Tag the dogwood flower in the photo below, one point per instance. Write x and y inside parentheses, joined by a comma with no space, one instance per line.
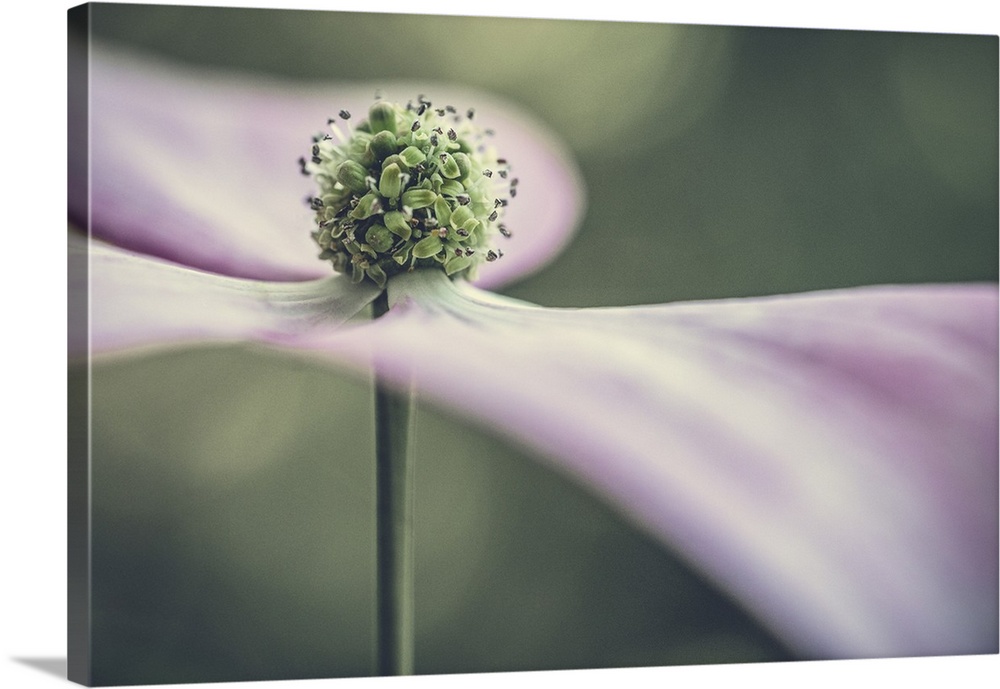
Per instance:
(828,458)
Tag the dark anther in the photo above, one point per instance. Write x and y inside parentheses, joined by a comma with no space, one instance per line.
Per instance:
(470,113)
(493,216)
(434,139)
(439,130)
(469,252)
(513,193)
(513,182)
(416,125)
(344,115)
(503,174)
(450,108)
(462,232)
(315,150)
(504,231)
(491,255)
(421,109)
(330,120)
(443,157)
(316,160)
(487,172)
(316,204)
(458,252)
(439,111)
(501,161)
(302,166)
(499,253)
(452,135)
(497,203)
(463,199)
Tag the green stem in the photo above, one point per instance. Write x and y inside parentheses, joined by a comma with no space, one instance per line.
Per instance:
(394,525)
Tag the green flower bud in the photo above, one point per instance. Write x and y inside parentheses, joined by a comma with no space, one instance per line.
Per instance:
(451,187)
(427,247)
(402,255)
(412,156)
(375,272)
(457,264)
(390,182)
(464,164)
(352,175)
(383,144)
(448,166)
(397,223)
(368,206)
(359,150)
(460,216)
(396,160)
(382,117)
(418,198)
(442,210)
(379,238)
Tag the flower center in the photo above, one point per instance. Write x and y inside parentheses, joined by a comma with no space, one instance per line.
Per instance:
(412,186)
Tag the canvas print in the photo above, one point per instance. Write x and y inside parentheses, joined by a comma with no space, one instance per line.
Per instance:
(412,344)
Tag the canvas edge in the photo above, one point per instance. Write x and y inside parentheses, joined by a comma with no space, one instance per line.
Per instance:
(79,619)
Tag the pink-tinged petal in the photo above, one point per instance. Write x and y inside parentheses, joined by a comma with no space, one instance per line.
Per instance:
(200,168)
(139,302)
(829,458)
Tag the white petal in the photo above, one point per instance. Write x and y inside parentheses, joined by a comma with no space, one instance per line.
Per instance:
(137,301)
(829,458)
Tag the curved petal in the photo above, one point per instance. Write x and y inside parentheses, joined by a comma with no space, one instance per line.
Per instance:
(200,168)
(829,458)
(137,301)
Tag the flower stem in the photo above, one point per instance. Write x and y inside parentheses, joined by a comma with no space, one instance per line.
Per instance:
(394,525)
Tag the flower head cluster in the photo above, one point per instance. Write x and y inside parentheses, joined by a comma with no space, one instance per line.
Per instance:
(412,186)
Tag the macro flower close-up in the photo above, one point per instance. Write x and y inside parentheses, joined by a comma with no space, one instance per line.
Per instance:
(822,460)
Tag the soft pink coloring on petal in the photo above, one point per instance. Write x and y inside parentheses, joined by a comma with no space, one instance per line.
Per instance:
(138,301)
(200,168)
(829,458)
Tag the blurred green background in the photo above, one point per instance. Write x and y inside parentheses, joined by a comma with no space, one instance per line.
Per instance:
(233,487)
